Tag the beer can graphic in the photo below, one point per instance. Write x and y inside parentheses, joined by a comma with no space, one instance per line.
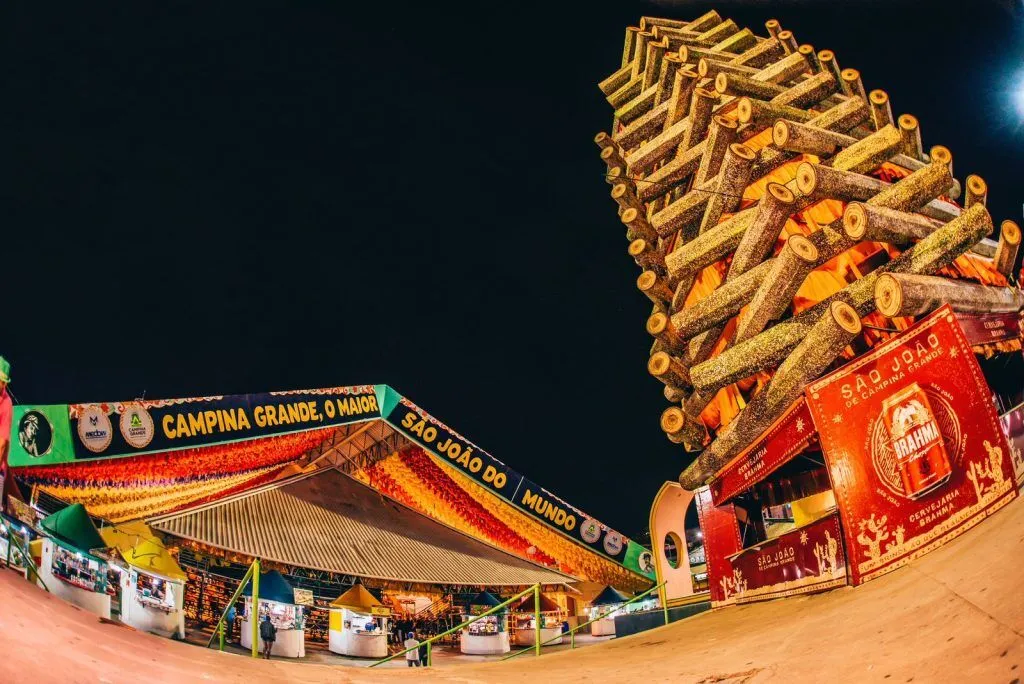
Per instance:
(914,435)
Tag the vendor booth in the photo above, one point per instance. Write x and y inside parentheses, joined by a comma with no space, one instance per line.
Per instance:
(524,622)
(152,586)
(488,635)
(66,565)
(887,458)
(359,624)
(277,599)
(611,601)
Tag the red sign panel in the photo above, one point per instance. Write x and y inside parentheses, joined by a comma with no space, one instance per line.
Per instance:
(805,560)
(989,328)
(913,445)
(721,540)
(1013,427)
(786,438)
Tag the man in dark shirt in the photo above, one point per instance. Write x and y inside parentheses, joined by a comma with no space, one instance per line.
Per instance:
(268,632)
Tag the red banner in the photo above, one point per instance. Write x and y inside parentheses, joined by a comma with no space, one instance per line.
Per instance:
(805,560)
(913,445)
(787,437)
(721,540)
(1013,427)
(989,328)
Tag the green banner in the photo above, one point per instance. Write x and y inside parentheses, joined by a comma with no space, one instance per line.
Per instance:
(40,435)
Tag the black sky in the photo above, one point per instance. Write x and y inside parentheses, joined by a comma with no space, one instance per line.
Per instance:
(223,198)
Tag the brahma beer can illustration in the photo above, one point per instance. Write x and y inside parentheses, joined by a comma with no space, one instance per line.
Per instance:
(917,443)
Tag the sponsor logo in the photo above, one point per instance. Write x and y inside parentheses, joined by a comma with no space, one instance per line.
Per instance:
(613,543)
(35,434)
(646,562)
(94,429)
(590,531)
(137,426)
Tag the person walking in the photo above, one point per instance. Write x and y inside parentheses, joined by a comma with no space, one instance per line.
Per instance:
(423,653)
(412,658)
(268,632)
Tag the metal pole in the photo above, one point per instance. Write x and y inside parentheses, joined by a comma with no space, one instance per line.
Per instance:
(254,621)
(220,633)
(429,653)
(536,615)
(664,606)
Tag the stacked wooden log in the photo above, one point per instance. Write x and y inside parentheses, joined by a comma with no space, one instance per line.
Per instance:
(748,168)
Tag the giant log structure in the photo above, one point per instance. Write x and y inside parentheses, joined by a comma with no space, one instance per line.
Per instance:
(784,220)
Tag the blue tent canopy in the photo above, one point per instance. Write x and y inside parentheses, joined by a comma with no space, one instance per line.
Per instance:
(273,587)
(609,596)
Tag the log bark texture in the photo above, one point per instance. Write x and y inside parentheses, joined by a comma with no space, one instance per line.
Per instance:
(905,294)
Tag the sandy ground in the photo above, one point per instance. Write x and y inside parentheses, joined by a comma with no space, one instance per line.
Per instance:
(956,615)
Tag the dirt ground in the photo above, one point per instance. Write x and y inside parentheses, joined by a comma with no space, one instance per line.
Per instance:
(956,615)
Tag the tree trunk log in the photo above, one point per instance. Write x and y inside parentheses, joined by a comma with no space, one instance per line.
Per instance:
(911,133)
(833,330)
(761,113)
(647,256)
(704,102)
(647,126)
(657,148)
(721,304)
(1009,245)
(667,177)
(626,93)
(681,430)
(715,244)
(667,369)
(866,222)
(868,154)
(788,42)
(638,106)
(851,84)
(637,226)
(822,182)
(761,54)
(616,80)
(720,136)
(737,42)
(771,346)
(977,191)
(789,269)
(739,85)
(807,92)
(732,179)
(881,111)
(904,294)
(842,117)
(775,207)
(807,139)
(625,198)
(813,62)
(783,71)
(683,84)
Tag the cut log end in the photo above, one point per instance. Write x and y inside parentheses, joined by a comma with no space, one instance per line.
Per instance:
(780,134)
(722,82)
(743,152)
(781,193)
(907,122)
(629,215)
(607,153)
(803,248)
(878,97)
(637,247)
(806,179)
(647,280)
(1010,233)
(888,295)
(602,139)
(845,317)
(977,186)
(672,420)
(659,364)
(855,221)
(940,153)
(744,110)
(657,323)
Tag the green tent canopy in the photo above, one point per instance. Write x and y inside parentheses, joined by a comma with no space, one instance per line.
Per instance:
(74,527)
(484,599)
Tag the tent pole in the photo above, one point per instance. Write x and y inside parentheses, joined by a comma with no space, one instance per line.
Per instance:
(255,621)
(536,616)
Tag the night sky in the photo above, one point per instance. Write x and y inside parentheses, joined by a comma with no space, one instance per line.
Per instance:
(207,198)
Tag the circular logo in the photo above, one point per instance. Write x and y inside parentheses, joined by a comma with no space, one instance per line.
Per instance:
(35,434)
(590,531)
(883,457)
(613,543)
(646,562)
(94,429)
(137,426)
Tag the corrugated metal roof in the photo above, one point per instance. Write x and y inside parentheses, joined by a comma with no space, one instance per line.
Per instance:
(328,521)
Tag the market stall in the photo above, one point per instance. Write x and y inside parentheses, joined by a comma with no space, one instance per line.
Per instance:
(277,599)
(524,622)
(359,624)
(611,601)
(66,565)
(152,586)
(488,635)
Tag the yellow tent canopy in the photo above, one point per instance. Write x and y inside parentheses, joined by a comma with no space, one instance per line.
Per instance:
(141,548)
(359,599)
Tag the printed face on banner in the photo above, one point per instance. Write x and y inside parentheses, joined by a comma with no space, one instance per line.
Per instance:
(913,445)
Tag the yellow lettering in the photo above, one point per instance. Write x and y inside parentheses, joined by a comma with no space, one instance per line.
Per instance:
(195,424)
(409,419)
(243,421)
(168,424)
